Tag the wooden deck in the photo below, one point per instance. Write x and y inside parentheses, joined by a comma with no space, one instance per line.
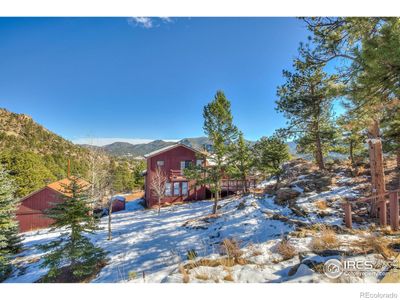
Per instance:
(231,185)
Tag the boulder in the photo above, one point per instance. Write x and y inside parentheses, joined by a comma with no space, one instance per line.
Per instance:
(286,194)
(323,182)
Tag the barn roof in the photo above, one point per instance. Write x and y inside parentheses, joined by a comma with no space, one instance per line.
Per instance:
(60,185)
(167,148)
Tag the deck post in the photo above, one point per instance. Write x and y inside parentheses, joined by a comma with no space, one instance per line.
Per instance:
(228,186)
(394,211)
(382,213)
(347,215)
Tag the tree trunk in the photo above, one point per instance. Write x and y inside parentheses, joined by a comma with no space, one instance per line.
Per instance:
(318,153)
(109,220)
(216,198)
(352,160)
(244,184)
(278,181)
(398,158)
(159,205)
(351,154)
(377,166)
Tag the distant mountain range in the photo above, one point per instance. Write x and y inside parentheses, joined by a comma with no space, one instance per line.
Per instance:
(139,150)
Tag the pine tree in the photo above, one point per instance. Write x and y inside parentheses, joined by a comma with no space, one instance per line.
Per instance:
(138,179)
(9,240)
(241,160)
(306,101)
(391,133)
(270,154)
(123,178)
(27,169)
(352,139)
(73,250)
(218,126)
(196,173)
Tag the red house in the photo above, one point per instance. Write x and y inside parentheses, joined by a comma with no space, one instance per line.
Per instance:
(173,160)
(31,212)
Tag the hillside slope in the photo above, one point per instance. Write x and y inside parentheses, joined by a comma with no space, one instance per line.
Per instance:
(34,155)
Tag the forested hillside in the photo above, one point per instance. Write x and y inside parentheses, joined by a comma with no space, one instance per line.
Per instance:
(34,155)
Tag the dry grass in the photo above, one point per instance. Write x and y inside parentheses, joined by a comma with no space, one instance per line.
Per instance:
(202,276)
(231,248)
(326,239)
(321,204)
(185,274)
(256,253)
(285,249)
(374,244)
(229,277)
(225,262)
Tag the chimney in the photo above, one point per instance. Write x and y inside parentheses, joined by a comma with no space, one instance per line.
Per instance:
(69,169)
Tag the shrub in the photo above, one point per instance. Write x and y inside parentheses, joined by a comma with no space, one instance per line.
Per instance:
(132,275)
(285,249)
(231,248)
(325,240)
(191,254)
(321,204)
(373,243)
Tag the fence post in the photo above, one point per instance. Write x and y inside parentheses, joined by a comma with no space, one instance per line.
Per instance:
(347,215)
(382,213)
(394,211)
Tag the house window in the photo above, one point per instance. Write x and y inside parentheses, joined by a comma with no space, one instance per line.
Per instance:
(176,189)
(185,164)
(199,162)
(160,163)
(168,189)
(184,188)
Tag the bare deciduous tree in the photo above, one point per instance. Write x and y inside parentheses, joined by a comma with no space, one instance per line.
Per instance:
(157,185)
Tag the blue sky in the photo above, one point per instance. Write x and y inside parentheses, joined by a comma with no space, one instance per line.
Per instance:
(121,78)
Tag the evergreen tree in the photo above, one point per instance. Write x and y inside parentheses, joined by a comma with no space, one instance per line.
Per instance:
(138,179)
(9,240)
(73,250)
(270,154)
(369,61)
(352,140)
(241,160)
(123,178)
(306,101)
(28,171)
(196,172)
(218,126)
(391,133)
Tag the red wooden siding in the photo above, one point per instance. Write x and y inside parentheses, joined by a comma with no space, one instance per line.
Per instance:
(31,212)
(172,161)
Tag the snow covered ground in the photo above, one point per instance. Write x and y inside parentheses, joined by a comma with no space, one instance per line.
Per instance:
(147,247)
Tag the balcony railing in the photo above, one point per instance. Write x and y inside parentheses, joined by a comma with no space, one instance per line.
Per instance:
(176,174)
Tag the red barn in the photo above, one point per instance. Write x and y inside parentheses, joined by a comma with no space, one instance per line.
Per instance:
(173,160)
(31,212)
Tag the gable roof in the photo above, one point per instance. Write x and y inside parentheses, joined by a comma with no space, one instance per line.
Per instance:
(167,148)
(59,186)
